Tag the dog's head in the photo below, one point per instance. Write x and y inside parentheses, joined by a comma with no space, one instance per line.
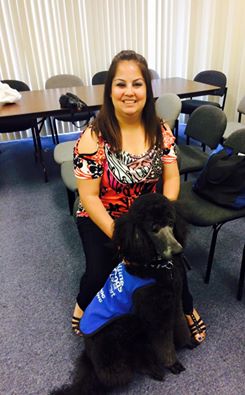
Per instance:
(147,233)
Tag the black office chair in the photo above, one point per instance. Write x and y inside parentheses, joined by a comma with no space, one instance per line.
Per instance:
(212,77)
(66,81)
(99,78)
(206,125)
(201,212)
(21,124)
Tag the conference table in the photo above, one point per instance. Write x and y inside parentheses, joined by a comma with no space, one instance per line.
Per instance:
(45,103)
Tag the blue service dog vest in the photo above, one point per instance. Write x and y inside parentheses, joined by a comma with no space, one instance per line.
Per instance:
(113,300)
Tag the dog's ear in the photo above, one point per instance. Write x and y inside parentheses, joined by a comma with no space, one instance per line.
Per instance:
(130,239)
(180,225)
(123,229)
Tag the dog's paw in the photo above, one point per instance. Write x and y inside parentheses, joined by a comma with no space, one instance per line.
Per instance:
(157,374)
(177,368)
(154,371)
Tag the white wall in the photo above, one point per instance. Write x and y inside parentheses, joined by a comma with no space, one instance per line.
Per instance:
(39,38)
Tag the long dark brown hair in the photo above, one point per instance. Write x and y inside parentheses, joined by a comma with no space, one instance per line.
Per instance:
(106,121)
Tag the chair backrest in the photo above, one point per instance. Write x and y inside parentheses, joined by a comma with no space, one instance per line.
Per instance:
(236,141)
(99,78)
(20,86)
(168,108)
(154,74)
(63,81)
(213,77)
(207,124)
(241,107)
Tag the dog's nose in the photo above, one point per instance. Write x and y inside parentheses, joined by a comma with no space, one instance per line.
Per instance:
(176,248)
(173,246)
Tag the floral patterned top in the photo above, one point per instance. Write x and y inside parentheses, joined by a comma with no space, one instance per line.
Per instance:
(123,176)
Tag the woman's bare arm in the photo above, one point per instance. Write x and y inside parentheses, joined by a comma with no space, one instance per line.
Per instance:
(89,190)
(171,181)
(89,196)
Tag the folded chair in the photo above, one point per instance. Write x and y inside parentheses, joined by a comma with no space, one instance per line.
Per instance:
(201,212)
(206,125)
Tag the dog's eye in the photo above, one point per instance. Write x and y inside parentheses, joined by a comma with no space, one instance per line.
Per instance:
(155,228)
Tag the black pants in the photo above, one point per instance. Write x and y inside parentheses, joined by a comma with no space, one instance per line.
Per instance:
(101,260)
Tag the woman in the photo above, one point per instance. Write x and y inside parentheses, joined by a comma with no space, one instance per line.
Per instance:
(119,157)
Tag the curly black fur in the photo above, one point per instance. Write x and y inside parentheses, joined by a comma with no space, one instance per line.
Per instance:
(144,342)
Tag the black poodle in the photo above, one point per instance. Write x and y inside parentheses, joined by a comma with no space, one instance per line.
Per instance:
(136,322)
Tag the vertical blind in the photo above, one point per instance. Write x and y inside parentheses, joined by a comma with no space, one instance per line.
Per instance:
(40,38)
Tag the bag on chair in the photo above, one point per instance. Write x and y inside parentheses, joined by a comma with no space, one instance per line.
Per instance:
(69,100)
(75,104)
(8,94)
(222,181)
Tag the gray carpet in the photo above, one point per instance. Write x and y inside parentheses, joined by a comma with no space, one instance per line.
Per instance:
(41,263)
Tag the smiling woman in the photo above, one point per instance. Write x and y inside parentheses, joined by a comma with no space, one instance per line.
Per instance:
(128,95)
(128,92)
(119,157)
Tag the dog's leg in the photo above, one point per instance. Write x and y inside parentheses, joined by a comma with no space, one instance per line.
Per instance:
(110,352)
(146,360)
(182,336)
(158,318)
(164,347)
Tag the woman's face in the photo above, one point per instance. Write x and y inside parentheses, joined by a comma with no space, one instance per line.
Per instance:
(128,90)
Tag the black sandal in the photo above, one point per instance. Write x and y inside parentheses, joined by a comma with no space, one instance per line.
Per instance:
(75,325)
(196,328)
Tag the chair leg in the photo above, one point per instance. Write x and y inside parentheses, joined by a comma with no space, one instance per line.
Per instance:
(242,276)
(55,131)
(35,144)
(51,130)
(38,148)
(71,199)
(216,229)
